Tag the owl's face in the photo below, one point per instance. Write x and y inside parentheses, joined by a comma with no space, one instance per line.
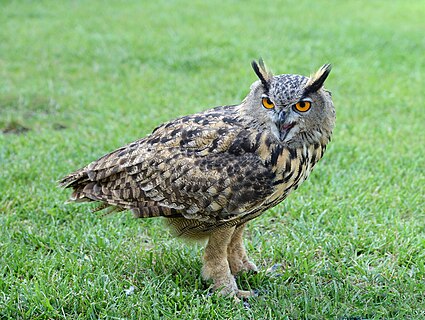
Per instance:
(296,109)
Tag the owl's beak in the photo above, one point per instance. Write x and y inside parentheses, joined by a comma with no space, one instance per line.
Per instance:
(282,116)
(284,126)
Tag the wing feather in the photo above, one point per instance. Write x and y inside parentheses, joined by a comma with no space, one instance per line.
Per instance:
(192,167)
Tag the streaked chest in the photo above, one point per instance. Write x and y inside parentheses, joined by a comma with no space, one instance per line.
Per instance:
(292,167)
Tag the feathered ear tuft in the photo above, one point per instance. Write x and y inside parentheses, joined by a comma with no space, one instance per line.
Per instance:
(316,80)
(262,73)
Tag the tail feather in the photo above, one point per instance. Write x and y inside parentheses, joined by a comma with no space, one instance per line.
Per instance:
(73,179)
(86,190)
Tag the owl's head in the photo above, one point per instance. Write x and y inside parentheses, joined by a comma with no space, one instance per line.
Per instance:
(296,109)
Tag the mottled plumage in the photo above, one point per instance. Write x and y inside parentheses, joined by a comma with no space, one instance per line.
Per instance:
(211,172)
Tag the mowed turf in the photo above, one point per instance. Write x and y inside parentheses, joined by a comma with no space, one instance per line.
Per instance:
(81,78)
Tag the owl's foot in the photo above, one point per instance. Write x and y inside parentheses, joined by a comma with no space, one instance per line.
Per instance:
(244,294)
(226,286)
(238,264)
(235,292)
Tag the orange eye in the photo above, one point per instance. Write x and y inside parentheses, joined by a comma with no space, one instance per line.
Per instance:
(267,103)
(302,106)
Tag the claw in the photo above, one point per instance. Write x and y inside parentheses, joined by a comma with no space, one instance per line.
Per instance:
(244,294)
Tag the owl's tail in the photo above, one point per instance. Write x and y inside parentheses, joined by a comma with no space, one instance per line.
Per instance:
(87,190)
(76,180)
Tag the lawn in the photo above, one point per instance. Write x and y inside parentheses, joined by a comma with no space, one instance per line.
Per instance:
(81,78)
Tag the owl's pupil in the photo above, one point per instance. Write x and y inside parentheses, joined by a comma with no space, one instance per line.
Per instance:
(302,104)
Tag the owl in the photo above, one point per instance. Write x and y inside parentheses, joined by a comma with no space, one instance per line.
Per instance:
(210,173)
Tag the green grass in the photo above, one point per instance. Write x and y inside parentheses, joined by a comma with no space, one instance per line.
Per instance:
(81,78)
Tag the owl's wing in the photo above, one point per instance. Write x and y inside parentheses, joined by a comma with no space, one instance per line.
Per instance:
(186,168)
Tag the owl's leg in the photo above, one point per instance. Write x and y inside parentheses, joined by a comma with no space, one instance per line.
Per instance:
(236,254)
(216,266)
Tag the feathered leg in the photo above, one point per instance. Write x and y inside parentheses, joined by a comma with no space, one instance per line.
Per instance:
(216,266)
(236,254)
(216,261)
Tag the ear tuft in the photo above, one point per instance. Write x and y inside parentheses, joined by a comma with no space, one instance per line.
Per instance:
(262,73)
(317,80)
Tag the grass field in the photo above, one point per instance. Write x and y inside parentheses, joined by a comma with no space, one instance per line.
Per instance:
(81,78)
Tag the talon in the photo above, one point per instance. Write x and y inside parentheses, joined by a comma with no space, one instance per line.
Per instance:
(250,266)
(244,294)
